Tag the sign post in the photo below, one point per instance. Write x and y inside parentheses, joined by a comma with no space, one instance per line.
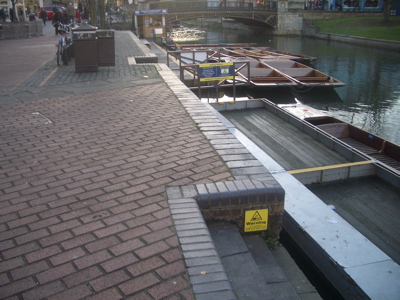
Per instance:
(216,72)
(256,220)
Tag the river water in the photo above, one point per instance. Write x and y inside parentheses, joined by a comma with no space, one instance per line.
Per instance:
(371,97)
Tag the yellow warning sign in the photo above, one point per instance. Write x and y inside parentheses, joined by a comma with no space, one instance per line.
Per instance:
(256,220)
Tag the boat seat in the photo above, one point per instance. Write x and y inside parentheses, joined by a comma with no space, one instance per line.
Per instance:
(272,79)
(278,64)
(298,72)
(312,79)
(338,130)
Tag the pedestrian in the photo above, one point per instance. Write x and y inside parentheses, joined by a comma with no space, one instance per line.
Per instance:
(86,13)
(43,15)
(3,15)
(78,16)
(65,17)
(20,14)
(71,13)
(57,20)
(11,15)
(80,7)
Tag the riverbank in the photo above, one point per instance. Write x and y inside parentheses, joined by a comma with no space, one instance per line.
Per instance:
(354,30)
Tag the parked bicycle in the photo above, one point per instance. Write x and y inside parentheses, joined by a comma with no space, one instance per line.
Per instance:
(64,46)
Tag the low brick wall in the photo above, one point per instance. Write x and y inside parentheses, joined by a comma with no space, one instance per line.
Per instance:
(228,201)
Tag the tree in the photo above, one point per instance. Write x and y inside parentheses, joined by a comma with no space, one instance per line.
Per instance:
(14,12)
(386,10)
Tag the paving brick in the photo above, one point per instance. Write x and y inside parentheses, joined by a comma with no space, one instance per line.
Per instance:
(119,262)
(11,264)
(75,293)
(55,273)
(118,218)
(152,249)
(4,279)
(146,265)
(109,230)
(32,210)
(44,291)
(159,235)
(109,280)
(64,226)
(168,288)
(29,270)
(101,244)
(172,255)
(125,207)
(88,227)
(90,260)
(138,284)
(133,233)
(44,223)
(111,294)
(4,245)
(17,287)
(171,270)
(22,221)
(12,233)
(20,250)
(66,256)
(82,276)
(78,241)
(75,214)
(127,246)
(42,253)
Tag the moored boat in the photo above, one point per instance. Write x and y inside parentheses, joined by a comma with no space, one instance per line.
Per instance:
(284,72)
(370,144)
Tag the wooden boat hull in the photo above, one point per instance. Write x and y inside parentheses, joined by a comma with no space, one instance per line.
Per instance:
(270,73)
(356,138)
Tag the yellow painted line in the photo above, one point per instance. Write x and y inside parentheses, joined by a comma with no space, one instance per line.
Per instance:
(330,167)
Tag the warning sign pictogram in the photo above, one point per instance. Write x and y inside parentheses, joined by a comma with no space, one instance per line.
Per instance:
(256,220)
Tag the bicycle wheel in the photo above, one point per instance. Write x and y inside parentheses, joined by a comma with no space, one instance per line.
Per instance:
(65,55)
(59,53)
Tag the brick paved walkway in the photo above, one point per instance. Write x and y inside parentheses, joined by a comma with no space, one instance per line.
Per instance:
(82,189)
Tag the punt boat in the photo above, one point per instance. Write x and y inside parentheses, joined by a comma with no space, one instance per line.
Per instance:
(284,72)
(374,146)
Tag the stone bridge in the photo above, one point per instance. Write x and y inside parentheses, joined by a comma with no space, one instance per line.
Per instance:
(285,17)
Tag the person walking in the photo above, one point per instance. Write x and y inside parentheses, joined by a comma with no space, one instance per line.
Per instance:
(20,14)
(71,13)
(3,15)
(57,20)
(43,15)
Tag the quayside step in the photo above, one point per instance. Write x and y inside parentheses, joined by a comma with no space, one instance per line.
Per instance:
(255,271)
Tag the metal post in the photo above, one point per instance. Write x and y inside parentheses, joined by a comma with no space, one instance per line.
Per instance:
(198,80)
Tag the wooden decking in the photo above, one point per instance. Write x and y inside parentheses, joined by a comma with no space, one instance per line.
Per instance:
(371,205)
(288,146)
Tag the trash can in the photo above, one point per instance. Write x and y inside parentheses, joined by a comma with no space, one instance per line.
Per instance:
(85,48)
(105,47)
(32,17)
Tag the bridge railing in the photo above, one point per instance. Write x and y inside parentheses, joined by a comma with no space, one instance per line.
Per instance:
(185,6)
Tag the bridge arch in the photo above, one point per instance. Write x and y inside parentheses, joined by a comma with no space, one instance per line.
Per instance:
(184,10)
(269,20)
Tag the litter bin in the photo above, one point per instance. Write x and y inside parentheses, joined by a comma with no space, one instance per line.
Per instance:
(32,17)
(105,47)
(85,48)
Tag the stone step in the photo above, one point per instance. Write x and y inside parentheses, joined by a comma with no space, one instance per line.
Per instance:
(252,268)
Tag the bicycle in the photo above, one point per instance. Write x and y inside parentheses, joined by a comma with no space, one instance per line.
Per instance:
(64,46)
